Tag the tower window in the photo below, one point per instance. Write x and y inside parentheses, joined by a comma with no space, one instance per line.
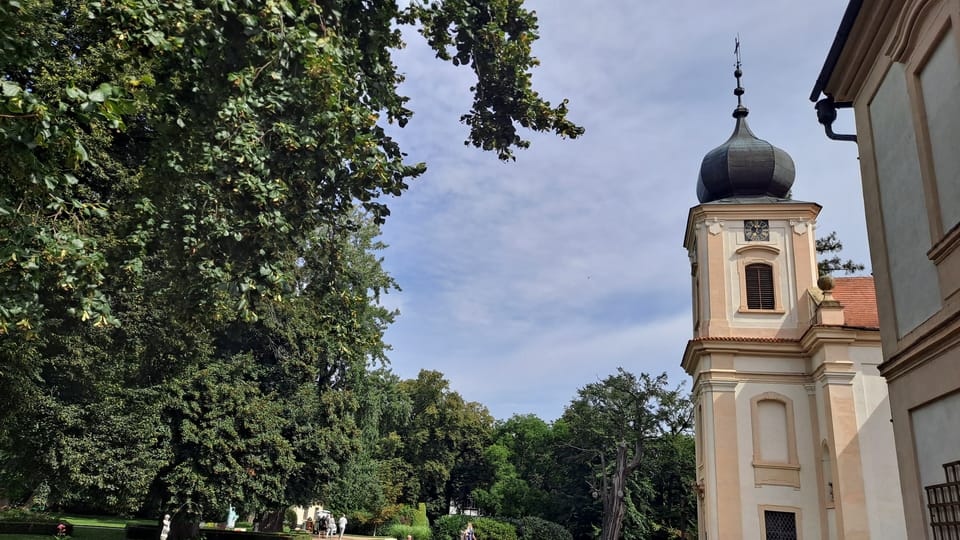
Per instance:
(759,282)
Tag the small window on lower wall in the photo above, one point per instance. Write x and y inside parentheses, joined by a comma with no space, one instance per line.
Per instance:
(779,525)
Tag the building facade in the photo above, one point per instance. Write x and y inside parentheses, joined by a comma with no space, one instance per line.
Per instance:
(792,421)
(897,65)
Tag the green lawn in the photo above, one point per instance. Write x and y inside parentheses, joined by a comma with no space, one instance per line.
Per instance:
(104,521)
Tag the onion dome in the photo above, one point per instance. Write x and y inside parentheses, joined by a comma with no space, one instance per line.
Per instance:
(745,165)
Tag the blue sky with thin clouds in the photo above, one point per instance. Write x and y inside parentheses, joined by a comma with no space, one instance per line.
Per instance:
(524,281)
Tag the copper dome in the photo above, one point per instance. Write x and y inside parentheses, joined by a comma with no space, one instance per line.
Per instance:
(745,166)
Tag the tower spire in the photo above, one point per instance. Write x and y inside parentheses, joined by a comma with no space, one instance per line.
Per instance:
(740,111)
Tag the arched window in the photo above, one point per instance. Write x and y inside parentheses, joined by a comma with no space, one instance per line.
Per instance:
(774,440)
(759,282)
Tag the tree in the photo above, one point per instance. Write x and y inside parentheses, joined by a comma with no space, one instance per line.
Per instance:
(443,442)
(614,425)
(830,246)
(520,461)
(258,414)
(221,134)
(179,182)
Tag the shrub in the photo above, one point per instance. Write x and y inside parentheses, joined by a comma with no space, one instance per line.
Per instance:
(491,529)
(405,515)
(142,532)
(420,518)
(449,527)
(290,518)
(19,514)
(400,532)
(360,522)
(46,528)
(19,521)
(534,528)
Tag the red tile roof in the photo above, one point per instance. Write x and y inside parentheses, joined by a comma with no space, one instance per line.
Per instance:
(859,300)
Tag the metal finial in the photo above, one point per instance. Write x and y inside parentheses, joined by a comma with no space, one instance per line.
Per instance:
(740,111)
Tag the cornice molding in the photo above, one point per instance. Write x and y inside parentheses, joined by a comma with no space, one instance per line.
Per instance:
(908,26)
(863,45)
(943,337)
(828,376)
(717,385)
(787,211)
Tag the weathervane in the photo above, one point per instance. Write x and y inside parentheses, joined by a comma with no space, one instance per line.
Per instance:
(741,111)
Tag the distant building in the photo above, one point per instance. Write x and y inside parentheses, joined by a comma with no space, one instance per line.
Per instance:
(792,422)
(897,64)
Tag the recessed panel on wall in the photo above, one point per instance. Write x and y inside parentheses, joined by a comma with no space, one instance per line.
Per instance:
(940,83)
(913,277)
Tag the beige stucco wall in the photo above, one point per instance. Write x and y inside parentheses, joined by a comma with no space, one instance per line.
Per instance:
(900,67)
(913,277)
(940,90)
(753,496)
(937,438)
(731,378)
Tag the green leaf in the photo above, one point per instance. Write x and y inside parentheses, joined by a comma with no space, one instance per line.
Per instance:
(9,88)
(101,93)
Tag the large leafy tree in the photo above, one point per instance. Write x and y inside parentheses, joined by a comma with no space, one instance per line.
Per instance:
(443,442)
(182,174)
(222,133)
(616,427)
(258,414)
(521,462)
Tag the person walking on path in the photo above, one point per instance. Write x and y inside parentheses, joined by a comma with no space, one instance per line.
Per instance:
(343,525)
(469,534)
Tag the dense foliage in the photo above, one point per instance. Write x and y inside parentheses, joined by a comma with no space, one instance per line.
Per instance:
(190,199)
(191,192)
(621,428)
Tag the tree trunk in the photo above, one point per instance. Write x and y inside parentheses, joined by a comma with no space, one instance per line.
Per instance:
(271,521)
(614,508)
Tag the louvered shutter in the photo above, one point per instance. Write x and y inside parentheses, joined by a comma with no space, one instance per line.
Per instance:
(760,286)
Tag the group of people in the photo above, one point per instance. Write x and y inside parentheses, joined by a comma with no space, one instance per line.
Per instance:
(326,526)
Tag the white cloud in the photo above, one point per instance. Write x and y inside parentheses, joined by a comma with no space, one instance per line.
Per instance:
(523,281)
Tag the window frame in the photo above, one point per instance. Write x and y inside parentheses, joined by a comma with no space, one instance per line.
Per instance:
(759,254)
(764,508)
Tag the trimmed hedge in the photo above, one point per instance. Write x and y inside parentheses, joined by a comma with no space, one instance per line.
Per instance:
(222,534)
(449,527)
(48,528)
(491,529)
(142,532)
(152,532)
(420,518)
(534,528)
(400,532)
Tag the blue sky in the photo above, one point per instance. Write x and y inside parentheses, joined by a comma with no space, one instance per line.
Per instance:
(524,281)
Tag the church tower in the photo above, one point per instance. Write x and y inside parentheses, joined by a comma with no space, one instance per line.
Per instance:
(785,383)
